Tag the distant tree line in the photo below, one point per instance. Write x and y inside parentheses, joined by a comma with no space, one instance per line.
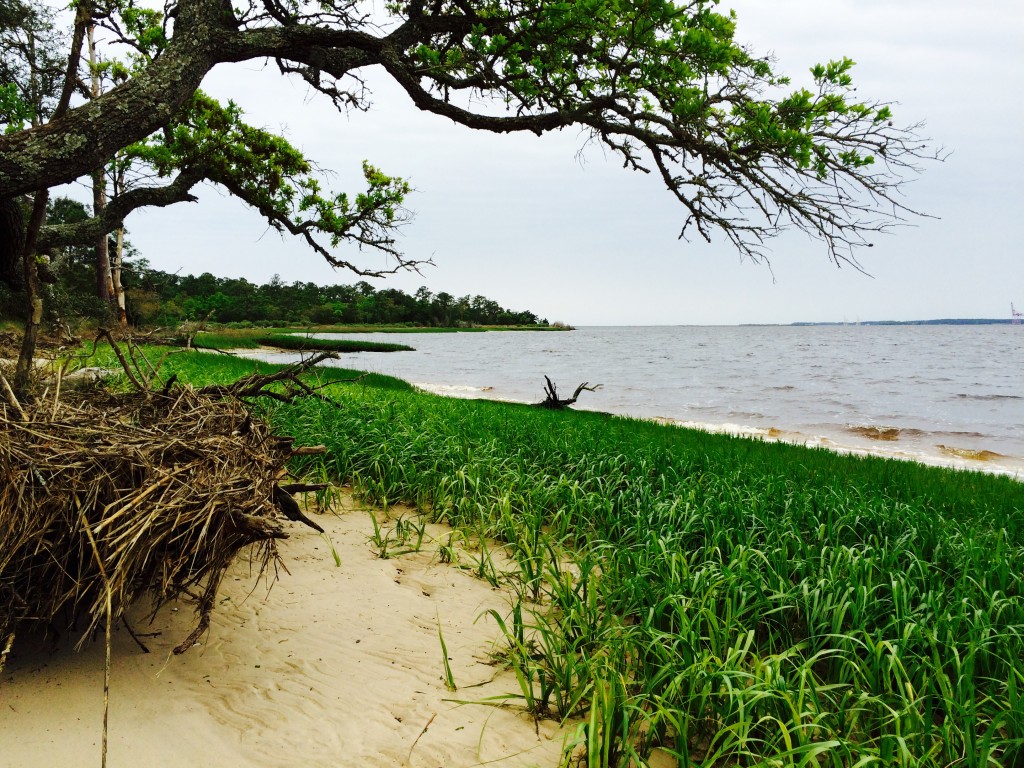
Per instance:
(160,298)
(154,297)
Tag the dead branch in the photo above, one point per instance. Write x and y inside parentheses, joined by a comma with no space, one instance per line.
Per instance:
(551,400)
(11,398)
(104,333)
(259,384)
(309,450)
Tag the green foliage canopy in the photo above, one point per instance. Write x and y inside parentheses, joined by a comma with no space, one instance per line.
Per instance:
(211,141)
(31,64)
(663,84)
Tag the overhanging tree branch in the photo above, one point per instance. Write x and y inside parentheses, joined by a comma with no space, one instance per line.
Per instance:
(64,235)
(664,86)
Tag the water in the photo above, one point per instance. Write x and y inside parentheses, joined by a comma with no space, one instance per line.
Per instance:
(950,395)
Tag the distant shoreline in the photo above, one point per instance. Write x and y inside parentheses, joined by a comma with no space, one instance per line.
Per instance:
(945,321)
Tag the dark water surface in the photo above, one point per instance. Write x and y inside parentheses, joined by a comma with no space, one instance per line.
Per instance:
(943,394)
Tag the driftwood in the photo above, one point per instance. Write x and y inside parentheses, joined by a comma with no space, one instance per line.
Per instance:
(551,400)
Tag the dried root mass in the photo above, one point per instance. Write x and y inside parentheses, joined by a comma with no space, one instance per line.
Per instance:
(145,495)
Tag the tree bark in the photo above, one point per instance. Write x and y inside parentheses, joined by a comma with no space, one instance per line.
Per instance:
(122,314)
(30,275)
(12,241)
(102,246)
(118,207)
(104,287)
(78,141)
(30,267)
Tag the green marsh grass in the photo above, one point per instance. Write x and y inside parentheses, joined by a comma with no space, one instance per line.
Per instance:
(449,678)
(309,343)
(199,367)
(725,601)
(228,339)
(405,536)
(284,338)
(334,552)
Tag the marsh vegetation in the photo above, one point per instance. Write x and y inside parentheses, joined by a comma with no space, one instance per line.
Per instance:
(722,600)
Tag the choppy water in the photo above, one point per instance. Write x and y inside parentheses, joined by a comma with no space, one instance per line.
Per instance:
(942,394)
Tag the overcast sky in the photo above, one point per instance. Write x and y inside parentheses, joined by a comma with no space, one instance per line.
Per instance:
(533,224)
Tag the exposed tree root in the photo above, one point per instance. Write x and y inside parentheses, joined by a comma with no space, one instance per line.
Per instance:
(108,498)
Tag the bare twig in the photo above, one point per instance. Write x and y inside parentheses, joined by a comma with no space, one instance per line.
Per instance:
(109,606)
(417,740)
(8,644)
(104,333)
(12,399)
(56,391)
(309,450)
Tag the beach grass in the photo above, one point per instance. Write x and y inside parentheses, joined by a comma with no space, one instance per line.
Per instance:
(720,600)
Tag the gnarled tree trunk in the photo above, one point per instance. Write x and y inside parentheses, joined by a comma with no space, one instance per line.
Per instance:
(30,276)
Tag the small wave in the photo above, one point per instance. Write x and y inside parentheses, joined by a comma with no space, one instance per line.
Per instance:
(945,455)
(874,432)
(962,434)
(451,389)
(970,453)
(964,396)
(745,415)
(737,430)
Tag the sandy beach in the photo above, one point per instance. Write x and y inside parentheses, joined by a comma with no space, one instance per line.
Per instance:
(333,666)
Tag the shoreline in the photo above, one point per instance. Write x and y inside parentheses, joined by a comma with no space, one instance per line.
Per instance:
(887,392)
(878,442)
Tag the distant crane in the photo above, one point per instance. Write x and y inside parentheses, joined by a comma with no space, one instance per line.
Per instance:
(1015,316)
